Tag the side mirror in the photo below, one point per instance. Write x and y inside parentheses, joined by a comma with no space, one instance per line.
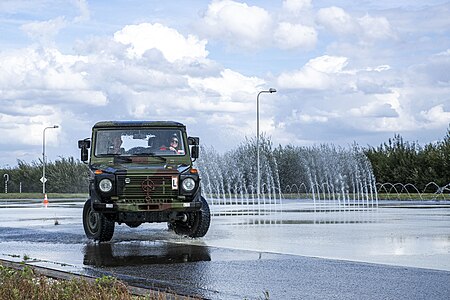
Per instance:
(193,140)
(84,145)
(194,143)
(194,151)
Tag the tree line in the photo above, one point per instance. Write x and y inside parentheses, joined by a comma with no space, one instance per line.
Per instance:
(395,161)
(65,175)
(400,161)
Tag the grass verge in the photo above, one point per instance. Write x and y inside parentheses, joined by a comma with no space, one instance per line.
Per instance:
(413,196)
(26,283)
(382,196)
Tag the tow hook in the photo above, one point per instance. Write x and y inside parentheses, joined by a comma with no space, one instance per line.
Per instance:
(183,218)
(178,217)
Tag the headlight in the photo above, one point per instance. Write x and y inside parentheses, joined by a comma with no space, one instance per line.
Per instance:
(188,184)
(105,185)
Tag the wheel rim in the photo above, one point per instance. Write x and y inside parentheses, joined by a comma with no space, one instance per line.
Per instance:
(93,221)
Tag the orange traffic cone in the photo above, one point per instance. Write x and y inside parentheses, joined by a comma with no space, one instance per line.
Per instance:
(45,200)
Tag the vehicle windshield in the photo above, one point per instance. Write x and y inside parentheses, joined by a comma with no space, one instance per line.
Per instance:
(139,142)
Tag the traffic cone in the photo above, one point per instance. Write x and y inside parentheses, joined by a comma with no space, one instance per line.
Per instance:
(45,200)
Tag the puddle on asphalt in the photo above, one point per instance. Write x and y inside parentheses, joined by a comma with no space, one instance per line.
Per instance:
(129,254)
(298,222)
(297,217)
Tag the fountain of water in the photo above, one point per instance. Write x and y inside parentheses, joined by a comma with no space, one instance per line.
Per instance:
(230,179)
(398,191)
(328,178)
(336,178)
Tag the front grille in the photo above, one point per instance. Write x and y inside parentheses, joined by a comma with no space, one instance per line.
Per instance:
(146,189)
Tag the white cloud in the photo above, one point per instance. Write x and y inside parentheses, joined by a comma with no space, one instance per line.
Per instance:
(57,96)
(337,20)
(306,78)
(445,53)
(316,74)
(380,68)
(435,71)
(375,28)
(44,31)
(367,29)
(45,75)
(371,85)
(149,87)
(308,118)
(27,129)
(296,6)
(328,64)
(228,85)
(35,86)
(170,42)
(237,23)
(436,117)
(289,36)
(85,14)
(375,110)
(360,80)
(251,27)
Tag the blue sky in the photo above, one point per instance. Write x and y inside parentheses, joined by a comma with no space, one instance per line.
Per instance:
(344,73)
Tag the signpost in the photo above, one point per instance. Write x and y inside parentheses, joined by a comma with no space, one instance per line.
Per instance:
(6,177)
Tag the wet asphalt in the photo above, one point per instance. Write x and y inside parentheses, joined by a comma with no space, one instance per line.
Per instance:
(389,253)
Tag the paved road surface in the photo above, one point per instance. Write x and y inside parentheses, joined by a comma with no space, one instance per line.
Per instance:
(387,254)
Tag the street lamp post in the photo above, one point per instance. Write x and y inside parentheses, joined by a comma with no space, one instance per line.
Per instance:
(258,176)
(43,179)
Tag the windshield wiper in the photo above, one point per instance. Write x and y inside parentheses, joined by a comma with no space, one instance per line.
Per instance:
(151,154)
(119,157)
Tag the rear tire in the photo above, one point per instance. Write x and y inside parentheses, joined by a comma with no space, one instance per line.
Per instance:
(96,226)
(197,223)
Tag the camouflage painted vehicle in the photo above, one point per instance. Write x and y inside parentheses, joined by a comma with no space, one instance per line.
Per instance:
(141,171)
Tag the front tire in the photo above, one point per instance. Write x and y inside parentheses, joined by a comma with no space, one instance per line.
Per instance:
(197,223)
(96,226)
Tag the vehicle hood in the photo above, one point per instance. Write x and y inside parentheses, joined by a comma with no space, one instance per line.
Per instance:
(122,169)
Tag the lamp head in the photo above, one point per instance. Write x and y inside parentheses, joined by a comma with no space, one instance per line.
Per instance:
(272,90)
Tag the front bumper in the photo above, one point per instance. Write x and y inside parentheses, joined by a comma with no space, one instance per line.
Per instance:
(146,207)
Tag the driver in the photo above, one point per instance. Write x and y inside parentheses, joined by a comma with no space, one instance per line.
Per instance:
(174,145)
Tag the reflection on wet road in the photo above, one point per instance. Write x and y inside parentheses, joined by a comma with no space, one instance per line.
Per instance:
(132,254)
(291,254)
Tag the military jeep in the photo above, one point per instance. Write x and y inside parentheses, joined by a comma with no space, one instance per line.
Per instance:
(141,171)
